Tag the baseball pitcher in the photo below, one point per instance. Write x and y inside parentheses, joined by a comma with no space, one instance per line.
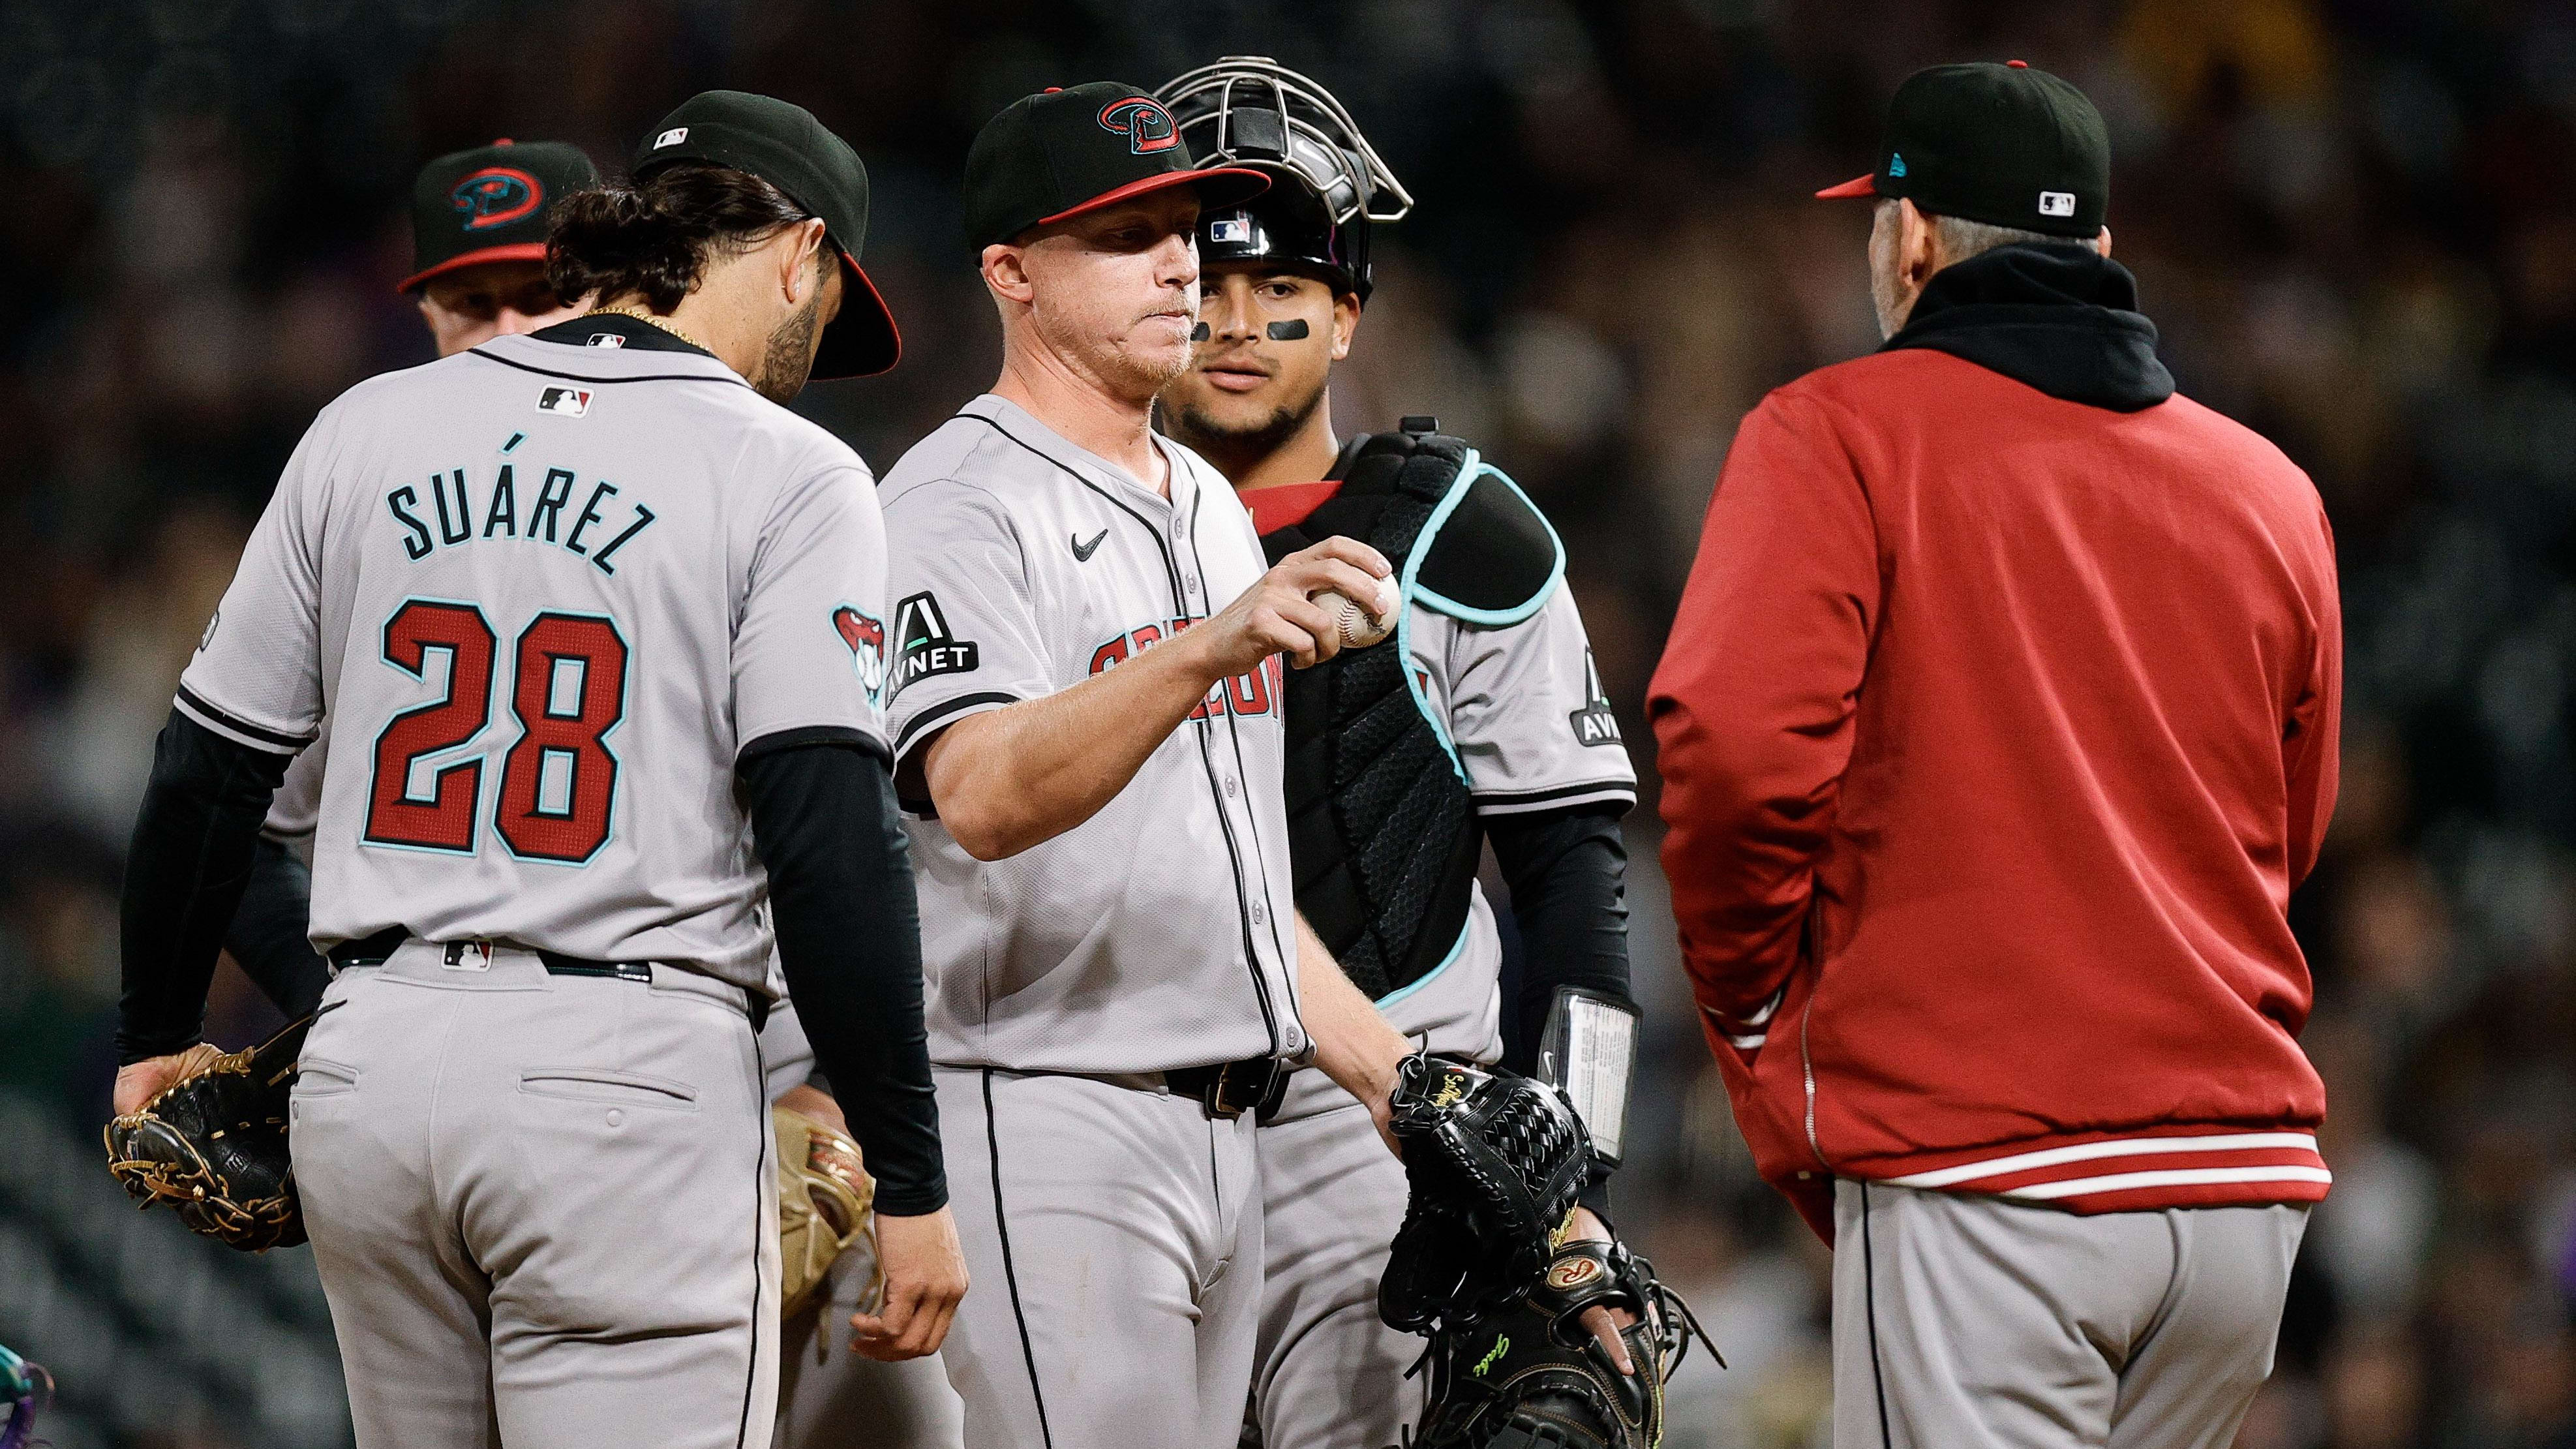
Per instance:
(1088,661)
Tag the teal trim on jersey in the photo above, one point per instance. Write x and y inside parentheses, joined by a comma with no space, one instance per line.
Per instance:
(1427,977)
(1491,618)
(1410,589)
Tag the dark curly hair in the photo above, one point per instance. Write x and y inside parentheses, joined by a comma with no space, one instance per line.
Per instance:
(653,238)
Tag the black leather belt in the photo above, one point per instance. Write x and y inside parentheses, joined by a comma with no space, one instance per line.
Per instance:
(1230,1089)
(375,950)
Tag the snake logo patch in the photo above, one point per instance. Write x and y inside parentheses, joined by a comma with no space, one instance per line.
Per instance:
(866,636)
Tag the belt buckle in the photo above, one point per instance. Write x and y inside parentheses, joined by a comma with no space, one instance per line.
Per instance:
(1241,1087)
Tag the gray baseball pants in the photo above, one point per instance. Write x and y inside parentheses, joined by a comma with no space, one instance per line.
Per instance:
(1329,1372)
(1113,1235)
(1965,1322)
(542,1206)
(829,1397)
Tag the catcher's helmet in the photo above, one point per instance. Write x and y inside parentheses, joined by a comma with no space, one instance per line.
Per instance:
(1327,182)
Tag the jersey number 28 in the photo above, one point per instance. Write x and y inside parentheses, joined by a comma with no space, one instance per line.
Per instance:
(558,780)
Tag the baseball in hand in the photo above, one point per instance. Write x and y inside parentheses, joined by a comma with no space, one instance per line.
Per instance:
(1362,624)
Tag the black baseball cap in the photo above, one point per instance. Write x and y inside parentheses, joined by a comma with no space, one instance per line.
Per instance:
(490,204)
(2002,144)
(1072,149)
(785,146)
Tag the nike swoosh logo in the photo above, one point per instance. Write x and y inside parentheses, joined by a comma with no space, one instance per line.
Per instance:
(1082,552)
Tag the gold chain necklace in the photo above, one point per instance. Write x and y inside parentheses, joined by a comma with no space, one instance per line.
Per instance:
(640,315)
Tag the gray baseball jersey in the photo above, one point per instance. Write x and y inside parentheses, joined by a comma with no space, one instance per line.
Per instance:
(541,595)
(1158,933)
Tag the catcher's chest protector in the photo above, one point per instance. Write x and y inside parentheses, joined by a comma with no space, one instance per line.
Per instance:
(1382,828)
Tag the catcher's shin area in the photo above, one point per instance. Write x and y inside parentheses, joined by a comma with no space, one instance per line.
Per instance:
(213,1144)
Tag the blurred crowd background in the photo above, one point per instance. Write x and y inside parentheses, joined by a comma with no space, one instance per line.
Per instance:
(2353,220)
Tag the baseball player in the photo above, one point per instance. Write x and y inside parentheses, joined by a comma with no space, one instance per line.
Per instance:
(1998,724)
(478,225)
(1499,734)
(476,260)
(1085,709)
(595,614)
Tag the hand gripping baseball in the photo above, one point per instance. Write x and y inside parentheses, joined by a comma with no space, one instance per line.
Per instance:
(1277,615)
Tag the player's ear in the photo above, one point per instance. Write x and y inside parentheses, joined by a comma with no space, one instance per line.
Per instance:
(799,274)
(1346,322)
(1006,272)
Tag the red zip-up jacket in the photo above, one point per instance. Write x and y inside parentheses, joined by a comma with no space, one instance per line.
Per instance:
(1996,729)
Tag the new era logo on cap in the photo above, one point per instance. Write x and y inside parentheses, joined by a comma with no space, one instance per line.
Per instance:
(671,137)
(2057,203)
(572,402)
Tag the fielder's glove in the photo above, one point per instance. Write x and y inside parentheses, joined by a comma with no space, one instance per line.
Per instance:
(824,1197)
(1532,1376)
(212,1144)
(1494,1160)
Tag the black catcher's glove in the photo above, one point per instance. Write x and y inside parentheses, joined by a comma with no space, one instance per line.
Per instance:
(1494,1160)
(1532,1376)
(213,1145)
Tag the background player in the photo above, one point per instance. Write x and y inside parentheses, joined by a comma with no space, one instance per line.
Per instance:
(479,272)
(523,937)
(1506,732)
(1090,737)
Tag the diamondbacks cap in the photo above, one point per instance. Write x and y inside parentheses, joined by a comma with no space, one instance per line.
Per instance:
(785,146)
(1065,151)
(490,204)
(2002,144)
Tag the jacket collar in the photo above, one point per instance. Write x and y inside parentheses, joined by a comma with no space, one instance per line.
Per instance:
(2061,319)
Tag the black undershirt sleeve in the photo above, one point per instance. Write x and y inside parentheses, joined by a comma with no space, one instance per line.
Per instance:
(1568,873)
(849,941)
(268,939)
(185,872)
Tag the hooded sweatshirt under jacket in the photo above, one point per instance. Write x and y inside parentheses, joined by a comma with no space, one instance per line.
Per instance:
(1997,726)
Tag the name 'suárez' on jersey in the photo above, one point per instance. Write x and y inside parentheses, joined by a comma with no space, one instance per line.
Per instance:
(519,500)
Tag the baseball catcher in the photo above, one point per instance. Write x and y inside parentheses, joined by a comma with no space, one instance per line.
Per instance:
(1519,1312)
(212,1144)
(1480,721)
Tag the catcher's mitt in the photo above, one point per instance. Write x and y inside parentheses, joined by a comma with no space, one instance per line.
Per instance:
(213,1144)
(1532,1376)
(824,1193)
(1494,1160)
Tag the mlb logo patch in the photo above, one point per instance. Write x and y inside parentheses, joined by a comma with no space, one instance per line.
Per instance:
(571,402)
(605,339)
(1233,229)
(671,137)
(2057,203)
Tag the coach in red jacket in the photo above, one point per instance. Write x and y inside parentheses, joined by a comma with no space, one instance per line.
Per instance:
(1998,724)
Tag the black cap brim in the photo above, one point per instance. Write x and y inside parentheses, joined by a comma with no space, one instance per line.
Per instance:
(1218,187)
(862,341)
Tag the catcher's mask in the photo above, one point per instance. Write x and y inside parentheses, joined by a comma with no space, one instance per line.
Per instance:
(1327,183)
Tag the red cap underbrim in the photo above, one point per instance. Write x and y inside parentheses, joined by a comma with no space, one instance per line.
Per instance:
(1857,186)
(863,340)
(514,252)
(1235,184)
